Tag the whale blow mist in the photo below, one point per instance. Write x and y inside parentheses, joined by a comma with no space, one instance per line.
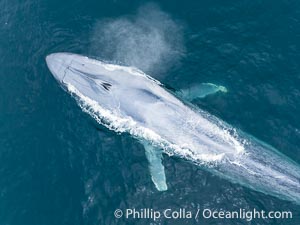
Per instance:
(149,40)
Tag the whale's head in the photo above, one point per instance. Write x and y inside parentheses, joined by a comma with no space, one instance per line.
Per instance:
(110,85)
(81,72)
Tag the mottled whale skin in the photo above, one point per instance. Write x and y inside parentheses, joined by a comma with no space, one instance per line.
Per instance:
(124,99)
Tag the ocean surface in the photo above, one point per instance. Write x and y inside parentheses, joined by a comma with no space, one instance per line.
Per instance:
(59,167)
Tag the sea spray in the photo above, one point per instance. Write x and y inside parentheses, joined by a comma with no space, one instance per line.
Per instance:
(150,40)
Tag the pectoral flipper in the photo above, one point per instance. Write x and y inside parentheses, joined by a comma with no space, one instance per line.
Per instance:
(157,170)
(200,91)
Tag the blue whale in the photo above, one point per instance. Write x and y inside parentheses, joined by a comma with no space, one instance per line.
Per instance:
(124,99)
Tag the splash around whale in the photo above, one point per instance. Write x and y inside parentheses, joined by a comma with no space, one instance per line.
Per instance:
(124,99)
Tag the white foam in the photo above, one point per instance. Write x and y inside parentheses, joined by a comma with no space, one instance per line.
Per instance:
(119,124)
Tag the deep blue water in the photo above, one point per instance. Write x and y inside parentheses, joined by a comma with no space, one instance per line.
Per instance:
(58,166)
